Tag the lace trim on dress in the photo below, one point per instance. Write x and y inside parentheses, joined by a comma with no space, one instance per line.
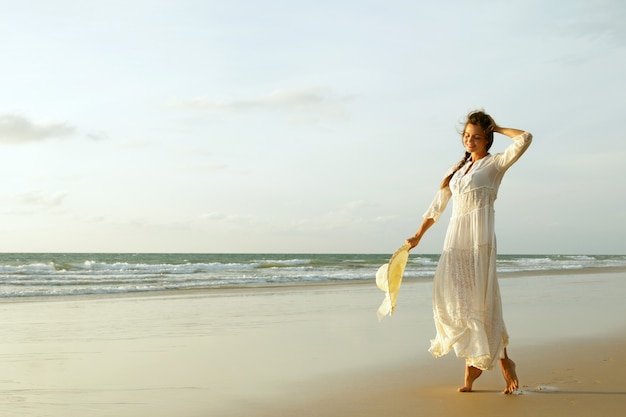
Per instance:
(473,200)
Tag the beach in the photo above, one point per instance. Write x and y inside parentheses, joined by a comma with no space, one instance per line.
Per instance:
(313,350)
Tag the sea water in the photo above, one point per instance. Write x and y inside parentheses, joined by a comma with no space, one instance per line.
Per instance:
(62,274)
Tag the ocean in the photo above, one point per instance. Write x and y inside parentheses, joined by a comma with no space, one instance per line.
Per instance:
(66,274)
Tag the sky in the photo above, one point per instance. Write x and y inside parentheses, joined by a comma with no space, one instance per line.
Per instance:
(298,126)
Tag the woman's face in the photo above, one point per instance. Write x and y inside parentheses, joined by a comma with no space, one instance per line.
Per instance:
(475,140)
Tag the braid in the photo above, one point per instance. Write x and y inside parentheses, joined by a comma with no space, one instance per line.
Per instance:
(446,180)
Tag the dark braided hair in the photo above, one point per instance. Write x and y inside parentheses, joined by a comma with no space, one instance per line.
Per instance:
(486,122)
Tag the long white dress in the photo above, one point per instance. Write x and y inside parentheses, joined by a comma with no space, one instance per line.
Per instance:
(466,298)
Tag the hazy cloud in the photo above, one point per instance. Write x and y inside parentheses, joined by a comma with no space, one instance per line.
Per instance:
(236,219)
(96,135)
(36,198)
(33,203)
(306,100)
(19,129)
(596,19)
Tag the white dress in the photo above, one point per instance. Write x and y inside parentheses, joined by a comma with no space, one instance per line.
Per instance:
(466,298)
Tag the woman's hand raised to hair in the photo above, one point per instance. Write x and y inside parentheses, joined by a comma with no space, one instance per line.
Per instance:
(507,131)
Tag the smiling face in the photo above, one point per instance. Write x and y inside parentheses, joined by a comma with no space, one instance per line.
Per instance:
(475,140)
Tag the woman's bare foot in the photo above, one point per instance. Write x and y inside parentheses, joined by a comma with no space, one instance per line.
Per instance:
(508,371)
(471,373)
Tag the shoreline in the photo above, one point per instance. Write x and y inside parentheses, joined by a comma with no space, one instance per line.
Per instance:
(291,286)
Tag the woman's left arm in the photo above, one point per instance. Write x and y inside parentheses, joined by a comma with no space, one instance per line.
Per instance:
(521,142)
(507,131)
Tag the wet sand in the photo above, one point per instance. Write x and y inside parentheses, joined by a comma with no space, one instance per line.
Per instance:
(309,351)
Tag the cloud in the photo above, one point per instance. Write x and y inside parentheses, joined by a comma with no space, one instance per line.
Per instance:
(598,19)
(96,136)
(234,219)
(315,101)
(212,216)
(19,129)
(35,198)
(34,202)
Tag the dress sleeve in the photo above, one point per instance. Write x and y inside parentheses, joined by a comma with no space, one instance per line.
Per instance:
(507,158)
(438,206)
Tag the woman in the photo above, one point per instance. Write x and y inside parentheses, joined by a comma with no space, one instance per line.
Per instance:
(466,297)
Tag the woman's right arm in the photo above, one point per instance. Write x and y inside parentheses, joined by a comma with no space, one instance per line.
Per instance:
(433,213)
(415,239)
